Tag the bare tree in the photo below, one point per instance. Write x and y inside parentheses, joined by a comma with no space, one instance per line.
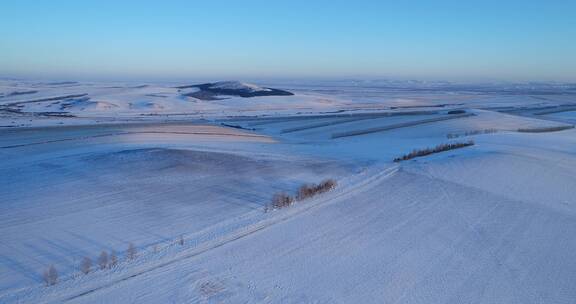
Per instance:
(113,260)
(50,276)
(86,265)
(281,200)
(131,252)
(103,260)
(303,192)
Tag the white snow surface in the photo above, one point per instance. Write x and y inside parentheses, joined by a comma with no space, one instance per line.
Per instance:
(237,85)
(491,223)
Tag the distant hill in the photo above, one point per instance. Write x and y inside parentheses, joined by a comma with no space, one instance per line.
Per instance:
(210,91)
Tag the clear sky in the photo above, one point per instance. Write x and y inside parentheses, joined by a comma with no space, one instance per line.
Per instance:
(442,39)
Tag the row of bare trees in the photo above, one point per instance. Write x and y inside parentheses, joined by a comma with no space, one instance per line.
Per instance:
(470,133)
(104,261)
(282,200)
(436,149)
(545,129)
(311,190)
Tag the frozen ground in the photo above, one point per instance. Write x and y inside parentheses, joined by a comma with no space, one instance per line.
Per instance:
(151,183)
(491,223)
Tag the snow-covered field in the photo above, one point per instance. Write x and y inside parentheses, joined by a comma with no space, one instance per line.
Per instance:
(92,167)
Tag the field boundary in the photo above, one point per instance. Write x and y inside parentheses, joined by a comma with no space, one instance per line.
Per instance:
(398,125)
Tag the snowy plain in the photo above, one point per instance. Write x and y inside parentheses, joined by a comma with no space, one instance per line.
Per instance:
(91,167)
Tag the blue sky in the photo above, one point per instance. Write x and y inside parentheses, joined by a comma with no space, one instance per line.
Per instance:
(453,40)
